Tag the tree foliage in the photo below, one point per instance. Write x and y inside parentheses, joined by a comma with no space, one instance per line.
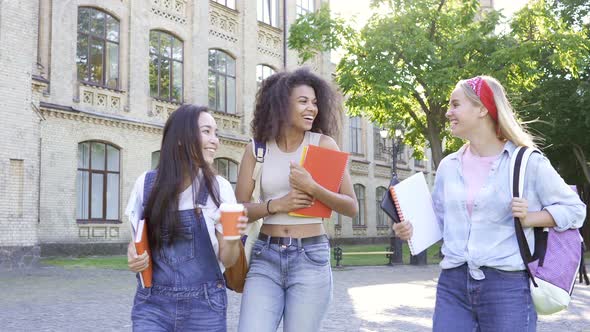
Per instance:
(403,65)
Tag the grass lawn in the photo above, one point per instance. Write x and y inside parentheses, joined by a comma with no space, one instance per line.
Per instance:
(380,259)
(120,262)
(94,262)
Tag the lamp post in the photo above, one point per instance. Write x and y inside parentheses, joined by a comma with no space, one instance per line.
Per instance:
(394,241)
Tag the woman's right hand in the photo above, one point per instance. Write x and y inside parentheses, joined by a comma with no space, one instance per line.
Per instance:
(403,230)
(294,200)
(136,263)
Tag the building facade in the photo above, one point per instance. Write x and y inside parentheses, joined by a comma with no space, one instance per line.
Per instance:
(87,86)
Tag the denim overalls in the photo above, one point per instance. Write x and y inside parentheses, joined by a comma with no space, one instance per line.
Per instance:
(188,292)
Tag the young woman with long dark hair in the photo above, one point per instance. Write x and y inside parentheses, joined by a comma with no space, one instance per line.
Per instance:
(290,277)
(181,199)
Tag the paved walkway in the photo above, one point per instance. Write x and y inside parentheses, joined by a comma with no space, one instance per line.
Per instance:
(365,299)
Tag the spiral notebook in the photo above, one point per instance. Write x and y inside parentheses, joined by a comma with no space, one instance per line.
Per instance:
(413,202)
(327,168)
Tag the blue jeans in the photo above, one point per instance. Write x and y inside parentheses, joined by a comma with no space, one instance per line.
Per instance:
(292,282)
(160,309)
(501,302)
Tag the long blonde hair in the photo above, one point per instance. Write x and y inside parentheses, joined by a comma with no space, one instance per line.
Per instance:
(509,126)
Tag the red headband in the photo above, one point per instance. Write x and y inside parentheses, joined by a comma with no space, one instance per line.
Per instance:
(485,94)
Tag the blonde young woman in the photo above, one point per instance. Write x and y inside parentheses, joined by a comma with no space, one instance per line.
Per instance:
(483,285)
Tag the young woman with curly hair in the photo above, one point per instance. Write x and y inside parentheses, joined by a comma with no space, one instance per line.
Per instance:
(290,277)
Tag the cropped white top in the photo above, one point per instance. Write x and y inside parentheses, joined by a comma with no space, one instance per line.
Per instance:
(274,182)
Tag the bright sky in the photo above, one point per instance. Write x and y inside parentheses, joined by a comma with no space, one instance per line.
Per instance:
(361,11)
(360,8)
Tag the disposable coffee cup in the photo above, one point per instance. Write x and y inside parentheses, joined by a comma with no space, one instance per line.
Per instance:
(230,215)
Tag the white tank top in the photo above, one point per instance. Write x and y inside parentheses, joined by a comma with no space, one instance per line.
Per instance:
(274,182)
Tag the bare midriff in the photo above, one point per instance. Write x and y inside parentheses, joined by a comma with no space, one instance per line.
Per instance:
(295,231)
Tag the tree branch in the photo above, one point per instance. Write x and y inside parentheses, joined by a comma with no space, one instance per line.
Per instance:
(433,25)
(579,153)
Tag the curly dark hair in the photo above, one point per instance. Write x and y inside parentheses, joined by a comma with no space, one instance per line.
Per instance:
(272,112)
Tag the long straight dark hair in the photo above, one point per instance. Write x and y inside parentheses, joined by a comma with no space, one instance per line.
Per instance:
(181,153)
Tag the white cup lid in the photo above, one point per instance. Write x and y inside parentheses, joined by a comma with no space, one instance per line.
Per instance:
(229,207)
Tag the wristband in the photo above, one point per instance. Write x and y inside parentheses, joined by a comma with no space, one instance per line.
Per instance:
(268,207)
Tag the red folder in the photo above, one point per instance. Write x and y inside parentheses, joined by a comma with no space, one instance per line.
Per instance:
(141,246)
(327,168)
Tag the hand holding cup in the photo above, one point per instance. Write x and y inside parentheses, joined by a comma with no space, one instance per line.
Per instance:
(233,220)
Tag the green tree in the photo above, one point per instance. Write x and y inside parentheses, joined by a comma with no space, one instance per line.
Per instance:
(402,66)
(559,101)
(558,105)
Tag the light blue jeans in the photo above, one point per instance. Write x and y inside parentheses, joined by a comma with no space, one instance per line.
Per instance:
(289,282)
(181,309)
(499,303)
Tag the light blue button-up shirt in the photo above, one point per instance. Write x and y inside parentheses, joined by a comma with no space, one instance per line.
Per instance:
(487,238)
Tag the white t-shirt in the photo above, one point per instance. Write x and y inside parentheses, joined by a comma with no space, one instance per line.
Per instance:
(134,208)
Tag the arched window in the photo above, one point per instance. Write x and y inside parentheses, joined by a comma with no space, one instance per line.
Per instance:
(155,159)
(228,3)
(262,73)
(268,12)
(166,66)
(98,182)
(222,82)
(304,7)
(356,135)
(228,169)
(381,216)
(97,51)
(359,219)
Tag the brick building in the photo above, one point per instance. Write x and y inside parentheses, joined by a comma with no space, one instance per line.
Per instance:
(86,86)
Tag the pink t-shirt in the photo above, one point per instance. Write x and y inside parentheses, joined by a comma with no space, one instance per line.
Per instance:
(475,172)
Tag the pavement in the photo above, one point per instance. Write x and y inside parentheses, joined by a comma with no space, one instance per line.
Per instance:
(376,298)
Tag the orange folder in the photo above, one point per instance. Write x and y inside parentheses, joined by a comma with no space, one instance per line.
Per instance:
(141,246)
(327,168)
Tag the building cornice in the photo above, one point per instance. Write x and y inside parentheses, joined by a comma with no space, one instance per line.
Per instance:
(110,120)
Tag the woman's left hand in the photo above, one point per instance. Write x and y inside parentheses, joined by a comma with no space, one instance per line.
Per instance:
(300,179)
(242,224)
(520,209)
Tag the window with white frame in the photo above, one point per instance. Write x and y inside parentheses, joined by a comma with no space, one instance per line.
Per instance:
(268,12)
(359,219)
(222,82)
(97,50)
(356,135)
(401,153)
(228,169)
(262,73)
(378,144)
(97,183)
(304,7)
(228,3)
(166,66)
(381,216)
(155,159)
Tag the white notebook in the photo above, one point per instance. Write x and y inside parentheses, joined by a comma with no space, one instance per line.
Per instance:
(414,203)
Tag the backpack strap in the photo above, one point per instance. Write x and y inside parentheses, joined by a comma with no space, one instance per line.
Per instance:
(314,138)
(259,151)
(518,163)
(148,184)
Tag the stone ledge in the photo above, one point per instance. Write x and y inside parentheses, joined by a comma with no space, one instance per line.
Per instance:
(17,258)
(83,249)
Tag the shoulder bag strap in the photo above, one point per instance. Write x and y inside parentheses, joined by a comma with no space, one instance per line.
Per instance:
(259,151)
(518,163)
